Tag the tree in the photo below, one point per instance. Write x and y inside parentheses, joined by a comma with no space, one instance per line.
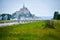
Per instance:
(56,15)
(3,16)
(9,16)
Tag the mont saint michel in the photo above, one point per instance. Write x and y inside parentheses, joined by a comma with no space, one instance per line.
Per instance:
(24,14)
(29,19)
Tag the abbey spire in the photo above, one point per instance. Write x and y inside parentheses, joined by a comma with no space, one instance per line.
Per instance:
(23,5)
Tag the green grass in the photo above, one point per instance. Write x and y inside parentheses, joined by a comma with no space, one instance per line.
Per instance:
(30,31)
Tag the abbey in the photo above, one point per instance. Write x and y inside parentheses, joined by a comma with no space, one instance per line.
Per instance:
(23,14)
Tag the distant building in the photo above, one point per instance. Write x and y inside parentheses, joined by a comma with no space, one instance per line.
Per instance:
(24,14)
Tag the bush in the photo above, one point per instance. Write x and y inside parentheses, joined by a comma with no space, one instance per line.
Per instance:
(49,24)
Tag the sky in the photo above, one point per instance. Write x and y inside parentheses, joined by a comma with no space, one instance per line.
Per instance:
(36,7)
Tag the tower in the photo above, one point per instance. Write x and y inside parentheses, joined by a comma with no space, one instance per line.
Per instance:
(23,6)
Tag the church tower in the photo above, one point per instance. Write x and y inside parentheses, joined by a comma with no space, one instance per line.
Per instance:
(23,5)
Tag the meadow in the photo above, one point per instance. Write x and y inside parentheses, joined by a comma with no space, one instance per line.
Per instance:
(31,31)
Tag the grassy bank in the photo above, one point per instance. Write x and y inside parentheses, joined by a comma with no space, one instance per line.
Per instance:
(7,21)
(30,31)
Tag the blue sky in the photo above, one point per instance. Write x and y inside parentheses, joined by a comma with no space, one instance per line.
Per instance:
(37,7)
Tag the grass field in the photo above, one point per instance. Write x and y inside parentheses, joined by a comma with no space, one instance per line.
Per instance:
(30,31)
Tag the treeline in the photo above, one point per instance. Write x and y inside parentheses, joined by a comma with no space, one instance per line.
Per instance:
(56,16)
(9,16)
(5,16)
